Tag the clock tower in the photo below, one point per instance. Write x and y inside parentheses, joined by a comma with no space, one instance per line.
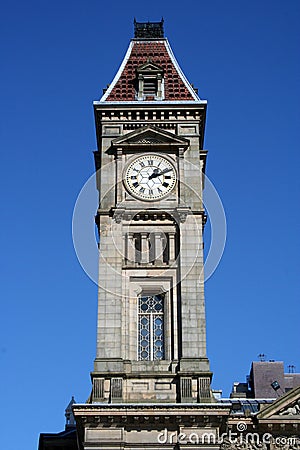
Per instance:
(151,333)
(151,382)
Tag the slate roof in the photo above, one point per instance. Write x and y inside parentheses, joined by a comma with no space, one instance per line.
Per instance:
(159,52)
(244,406)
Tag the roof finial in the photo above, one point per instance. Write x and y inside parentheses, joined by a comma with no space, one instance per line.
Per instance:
(148,30)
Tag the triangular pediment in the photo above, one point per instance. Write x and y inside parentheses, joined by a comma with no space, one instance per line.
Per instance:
(149,66)
(285,407)
(150,136)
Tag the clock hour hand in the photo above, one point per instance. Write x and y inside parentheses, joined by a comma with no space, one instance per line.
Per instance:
(158,174)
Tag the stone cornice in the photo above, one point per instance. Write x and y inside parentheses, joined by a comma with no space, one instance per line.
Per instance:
(149,415)
(162,408)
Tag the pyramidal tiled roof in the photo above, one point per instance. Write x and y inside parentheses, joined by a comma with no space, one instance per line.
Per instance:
(159,52)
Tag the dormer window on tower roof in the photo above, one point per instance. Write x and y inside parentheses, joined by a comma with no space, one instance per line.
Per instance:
(150,82)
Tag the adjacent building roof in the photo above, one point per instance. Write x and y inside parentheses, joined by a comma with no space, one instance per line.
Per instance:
(246,407)
(267,379)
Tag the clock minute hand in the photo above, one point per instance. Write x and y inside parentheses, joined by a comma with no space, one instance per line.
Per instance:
(158,174)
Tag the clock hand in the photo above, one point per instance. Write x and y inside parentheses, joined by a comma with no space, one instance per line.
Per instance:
(158,174)
(155,171)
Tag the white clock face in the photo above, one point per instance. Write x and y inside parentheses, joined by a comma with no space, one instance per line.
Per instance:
(150,177)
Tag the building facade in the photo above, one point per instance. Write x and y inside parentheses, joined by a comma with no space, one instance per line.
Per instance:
(151,383)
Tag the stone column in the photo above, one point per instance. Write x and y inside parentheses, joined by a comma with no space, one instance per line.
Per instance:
(141,87)
(119,186)
(158,248)
(159,86)
(124,248)
(172,249)
(130,256)
(144,248)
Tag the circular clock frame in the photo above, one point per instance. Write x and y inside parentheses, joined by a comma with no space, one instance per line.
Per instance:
(142,180)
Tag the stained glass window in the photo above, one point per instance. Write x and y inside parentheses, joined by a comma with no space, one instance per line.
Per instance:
(151,327)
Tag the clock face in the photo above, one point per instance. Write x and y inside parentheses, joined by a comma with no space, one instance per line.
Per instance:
(150,177)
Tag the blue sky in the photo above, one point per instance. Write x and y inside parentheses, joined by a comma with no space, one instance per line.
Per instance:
(56,58)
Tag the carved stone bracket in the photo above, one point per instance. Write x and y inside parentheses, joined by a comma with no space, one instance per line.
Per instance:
(118,215)
(182,214)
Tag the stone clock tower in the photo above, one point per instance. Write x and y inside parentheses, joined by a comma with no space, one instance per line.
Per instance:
(151,336)
(151,378)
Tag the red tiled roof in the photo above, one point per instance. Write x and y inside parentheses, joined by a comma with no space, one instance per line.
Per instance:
(174,86)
